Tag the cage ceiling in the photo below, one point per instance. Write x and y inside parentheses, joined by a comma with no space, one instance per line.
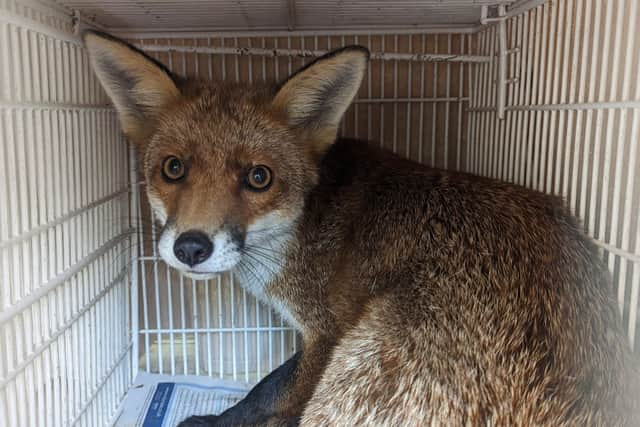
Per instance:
(278,15)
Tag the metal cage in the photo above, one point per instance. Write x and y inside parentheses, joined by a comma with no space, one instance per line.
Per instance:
(541,93)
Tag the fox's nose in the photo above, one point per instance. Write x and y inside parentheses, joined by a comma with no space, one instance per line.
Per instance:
(192,247)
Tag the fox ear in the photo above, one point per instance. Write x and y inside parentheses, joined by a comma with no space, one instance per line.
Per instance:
(139,86)
(315,98)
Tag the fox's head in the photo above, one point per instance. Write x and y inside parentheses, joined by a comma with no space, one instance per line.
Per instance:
(227,166)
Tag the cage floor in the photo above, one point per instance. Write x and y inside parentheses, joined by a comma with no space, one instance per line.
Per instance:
(164,400)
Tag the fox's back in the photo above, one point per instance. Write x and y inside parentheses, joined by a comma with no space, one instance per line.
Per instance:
(489,303)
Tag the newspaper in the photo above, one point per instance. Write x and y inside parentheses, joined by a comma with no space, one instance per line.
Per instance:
(163,401)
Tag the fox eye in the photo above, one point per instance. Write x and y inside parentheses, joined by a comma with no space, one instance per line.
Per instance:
(173,169)
(259,178)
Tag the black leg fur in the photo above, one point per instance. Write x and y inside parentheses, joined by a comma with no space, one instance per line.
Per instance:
(258,407)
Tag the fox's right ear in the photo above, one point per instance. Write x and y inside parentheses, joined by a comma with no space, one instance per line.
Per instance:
(139,87)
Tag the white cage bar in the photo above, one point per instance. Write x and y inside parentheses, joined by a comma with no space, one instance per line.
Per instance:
(64,275)
(85,301)
(572,122)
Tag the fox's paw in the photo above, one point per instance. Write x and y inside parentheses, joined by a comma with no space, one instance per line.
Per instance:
(199,421)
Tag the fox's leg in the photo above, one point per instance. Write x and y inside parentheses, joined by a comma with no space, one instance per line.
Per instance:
(277,400)
(257,404)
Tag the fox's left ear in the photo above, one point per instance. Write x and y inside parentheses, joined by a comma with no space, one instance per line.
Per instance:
(139,86)
(315,98)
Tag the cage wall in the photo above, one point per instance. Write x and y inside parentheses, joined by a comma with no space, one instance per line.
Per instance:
(65,341)
(571,123)
(414,106)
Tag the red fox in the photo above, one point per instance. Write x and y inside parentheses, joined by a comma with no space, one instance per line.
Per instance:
(423,297)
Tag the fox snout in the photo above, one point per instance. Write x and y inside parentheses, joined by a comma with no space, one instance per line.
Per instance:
(193,247)
(199,254)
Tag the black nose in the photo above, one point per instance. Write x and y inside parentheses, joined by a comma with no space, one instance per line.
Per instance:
(192,247)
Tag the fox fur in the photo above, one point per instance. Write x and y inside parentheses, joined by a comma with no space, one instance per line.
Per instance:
(424,297)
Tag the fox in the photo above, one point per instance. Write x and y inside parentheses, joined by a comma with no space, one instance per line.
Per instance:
(423,296)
